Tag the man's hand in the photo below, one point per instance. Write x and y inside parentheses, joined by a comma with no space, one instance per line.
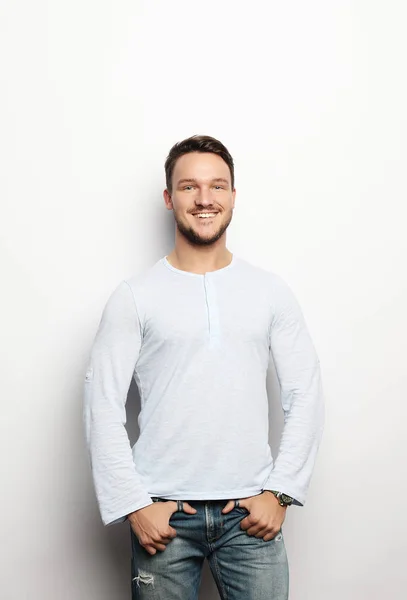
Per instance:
(266,515)
(151,524)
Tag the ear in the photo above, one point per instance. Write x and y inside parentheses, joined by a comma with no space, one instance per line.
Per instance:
(167,199)
(233,198)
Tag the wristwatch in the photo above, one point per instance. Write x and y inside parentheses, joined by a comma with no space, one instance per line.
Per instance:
(282,498)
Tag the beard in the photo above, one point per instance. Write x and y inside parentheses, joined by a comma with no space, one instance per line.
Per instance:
(195,238)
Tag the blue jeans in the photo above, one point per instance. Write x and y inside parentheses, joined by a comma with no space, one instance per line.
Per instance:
(244,567)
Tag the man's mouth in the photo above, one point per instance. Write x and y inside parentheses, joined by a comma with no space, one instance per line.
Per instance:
(205,215)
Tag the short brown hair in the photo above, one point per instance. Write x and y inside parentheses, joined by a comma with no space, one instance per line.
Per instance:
(197,143)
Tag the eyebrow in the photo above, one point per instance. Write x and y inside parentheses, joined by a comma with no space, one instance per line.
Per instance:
(191,180)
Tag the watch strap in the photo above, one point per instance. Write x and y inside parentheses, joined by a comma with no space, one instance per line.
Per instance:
(283,499)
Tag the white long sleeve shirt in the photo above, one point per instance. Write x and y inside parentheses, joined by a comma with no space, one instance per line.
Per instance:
(198,347)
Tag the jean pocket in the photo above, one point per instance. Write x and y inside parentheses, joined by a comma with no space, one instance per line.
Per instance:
(241,509)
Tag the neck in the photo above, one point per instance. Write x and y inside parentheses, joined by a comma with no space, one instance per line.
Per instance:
(200,259)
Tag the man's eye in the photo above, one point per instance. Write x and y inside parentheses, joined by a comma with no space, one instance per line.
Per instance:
(187,187)
(219,187)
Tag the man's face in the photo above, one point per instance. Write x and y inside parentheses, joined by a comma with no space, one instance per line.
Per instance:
(201,185)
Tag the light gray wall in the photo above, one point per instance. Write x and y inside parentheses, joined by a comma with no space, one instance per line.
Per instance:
(310,98)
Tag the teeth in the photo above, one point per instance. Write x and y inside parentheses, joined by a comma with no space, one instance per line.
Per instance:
(205,215)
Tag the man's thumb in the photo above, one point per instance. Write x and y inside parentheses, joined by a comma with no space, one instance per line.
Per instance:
(188,508)
(229,506)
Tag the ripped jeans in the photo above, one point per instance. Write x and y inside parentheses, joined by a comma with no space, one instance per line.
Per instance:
(243,566)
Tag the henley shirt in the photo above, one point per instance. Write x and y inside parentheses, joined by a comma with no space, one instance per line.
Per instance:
(199,347)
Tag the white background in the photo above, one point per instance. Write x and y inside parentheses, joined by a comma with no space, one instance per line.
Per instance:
(310,98)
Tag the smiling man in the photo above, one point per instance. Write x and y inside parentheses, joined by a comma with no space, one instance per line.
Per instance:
(197,330)
(204,222)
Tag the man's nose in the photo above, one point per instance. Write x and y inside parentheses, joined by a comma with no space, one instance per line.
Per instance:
(204,198)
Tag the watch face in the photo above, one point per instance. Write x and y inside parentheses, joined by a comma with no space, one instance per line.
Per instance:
(286,499)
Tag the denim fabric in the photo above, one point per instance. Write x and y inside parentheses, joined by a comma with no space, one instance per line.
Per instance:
(244,567)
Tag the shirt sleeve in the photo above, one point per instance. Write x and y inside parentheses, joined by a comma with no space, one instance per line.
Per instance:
(298,371)
(118,486)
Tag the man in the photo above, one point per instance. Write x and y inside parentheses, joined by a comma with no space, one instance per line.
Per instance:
(196,330)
